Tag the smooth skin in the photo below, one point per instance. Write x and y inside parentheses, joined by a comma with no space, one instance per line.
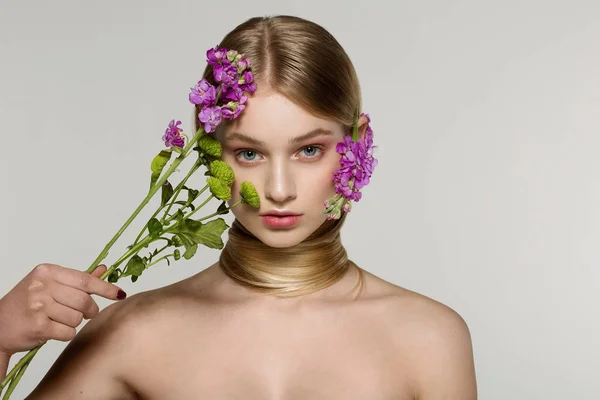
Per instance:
(48,303)
(208,337)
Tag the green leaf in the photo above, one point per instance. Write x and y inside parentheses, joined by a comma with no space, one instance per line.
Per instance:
(190,246)
(183,203)
(114,276)
(166,192)
(157,165)
(135,266)
(223,209)
(154,228)
(208,234)
(192,194)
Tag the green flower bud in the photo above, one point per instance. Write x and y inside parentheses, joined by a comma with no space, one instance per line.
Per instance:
(210,146)
(231,55)
(176,254)
(232,105)
(219,189)
(249,194)
(176,240)
(223,171)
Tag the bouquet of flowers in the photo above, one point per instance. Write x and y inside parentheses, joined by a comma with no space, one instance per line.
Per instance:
(176,228)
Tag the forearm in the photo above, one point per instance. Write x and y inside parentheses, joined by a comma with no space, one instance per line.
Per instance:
(4,359)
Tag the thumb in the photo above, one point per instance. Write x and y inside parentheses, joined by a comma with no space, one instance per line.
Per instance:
(100,269)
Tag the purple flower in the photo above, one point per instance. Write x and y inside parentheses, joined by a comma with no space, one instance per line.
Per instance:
(357,165)
(172,136)
(226,74)
(203,93)
(242,65)
(234,93)
(211,117)
(249,85)
(216,54)
(232,109)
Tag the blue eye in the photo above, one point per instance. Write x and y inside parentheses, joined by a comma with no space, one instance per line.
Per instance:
(308,153)
(251,154)
(311,153)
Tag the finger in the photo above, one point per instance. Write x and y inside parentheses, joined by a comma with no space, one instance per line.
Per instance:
(61,332)
(64,315)
(100,269)
(74,299)
(85,282)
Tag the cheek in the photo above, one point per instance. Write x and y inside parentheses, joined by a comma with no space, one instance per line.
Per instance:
(318,184)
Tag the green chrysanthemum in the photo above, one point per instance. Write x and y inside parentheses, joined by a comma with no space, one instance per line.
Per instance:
(220,189)
(223,171)
(249,194)
(210,146)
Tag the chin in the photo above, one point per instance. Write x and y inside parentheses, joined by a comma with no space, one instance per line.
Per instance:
(275,239)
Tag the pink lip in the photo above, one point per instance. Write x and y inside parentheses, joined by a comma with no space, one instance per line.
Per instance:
(279,213)
(286,221)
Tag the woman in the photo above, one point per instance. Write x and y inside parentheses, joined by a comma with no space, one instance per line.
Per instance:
(279,315)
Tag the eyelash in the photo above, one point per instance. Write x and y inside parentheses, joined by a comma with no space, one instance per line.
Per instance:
(316,146)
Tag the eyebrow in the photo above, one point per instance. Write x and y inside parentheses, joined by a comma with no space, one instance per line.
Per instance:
(298,139)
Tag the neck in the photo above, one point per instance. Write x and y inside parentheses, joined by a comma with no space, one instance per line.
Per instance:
(314,264)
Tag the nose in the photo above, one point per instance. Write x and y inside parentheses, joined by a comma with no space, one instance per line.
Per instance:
(280,186)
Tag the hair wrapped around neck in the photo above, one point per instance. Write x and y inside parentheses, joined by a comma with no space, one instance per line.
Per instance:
(314,264)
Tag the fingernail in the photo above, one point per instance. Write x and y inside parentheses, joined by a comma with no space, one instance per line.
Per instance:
(121,295)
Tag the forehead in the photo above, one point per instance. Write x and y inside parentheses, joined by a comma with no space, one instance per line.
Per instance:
(273,118)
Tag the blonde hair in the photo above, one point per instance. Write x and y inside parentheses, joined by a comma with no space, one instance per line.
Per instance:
(304,62)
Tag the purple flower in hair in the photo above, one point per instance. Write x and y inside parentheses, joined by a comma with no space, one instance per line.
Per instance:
(248,84)
(203,93)
(216,55)
(226,74)
(172,136)
(234,93)
(211,117)
(232,110)
(242,65)
(236,105)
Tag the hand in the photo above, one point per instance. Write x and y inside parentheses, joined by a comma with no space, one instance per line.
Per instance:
(49,303)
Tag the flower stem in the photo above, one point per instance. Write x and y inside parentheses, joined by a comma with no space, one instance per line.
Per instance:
(219,212)
(21,366)
(178,190)
(153,191)
(16,373)
(199,193)
(143,243)
(158,260)
(200,206)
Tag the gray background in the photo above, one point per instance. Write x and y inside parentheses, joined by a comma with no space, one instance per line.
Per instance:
(487,196)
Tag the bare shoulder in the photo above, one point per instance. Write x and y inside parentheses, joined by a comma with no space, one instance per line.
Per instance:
(93,364)
(435,339)
(98,362)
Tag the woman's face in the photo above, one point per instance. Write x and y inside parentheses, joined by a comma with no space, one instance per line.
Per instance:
(289,155)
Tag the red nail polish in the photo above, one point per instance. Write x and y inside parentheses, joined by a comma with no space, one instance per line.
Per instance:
(121,295)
